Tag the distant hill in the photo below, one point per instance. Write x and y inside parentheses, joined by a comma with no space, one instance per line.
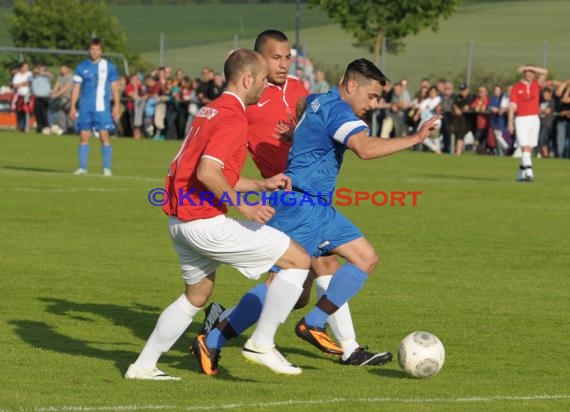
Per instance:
(505,34)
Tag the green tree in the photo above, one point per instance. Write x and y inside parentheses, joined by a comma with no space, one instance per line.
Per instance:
(64,24)
(370,21)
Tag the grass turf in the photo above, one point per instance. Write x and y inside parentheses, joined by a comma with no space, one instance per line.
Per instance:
(87,267)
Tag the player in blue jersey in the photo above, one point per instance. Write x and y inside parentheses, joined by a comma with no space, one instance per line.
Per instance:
(331,123)
(95,81)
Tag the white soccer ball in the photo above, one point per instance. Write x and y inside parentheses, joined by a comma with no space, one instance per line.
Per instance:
(421,354)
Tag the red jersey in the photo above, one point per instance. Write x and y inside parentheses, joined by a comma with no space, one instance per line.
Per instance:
(277,103)
(218,132)
(132,89)
(482,120)
(527,98)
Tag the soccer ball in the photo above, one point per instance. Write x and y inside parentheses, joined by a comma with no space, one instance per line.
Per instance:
(421,354)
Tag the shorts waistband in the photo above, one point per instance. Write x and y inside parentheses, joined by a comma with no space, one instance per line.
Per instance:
(173,220)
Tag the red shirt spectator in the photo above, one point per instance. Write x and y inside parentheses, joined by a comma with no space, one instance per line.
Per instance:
(133,91)
(480,105)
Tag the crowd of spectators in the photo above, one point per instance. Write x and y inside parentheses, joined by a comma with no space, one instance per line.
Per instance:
(476,120)
(158,106)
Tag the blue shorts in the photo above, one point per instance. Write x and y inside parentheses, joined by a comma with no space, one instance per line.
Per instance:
(93,120)
(317,228)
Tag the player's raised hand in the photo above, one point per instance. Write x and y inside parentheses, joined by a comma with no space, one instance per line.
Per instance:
(258,213)
(279,181)
(430,124)
(284,131)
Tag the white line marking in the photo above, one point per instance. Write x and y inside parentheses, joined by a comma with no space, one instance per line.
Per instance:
(5,171)
(291,402)
(71,189)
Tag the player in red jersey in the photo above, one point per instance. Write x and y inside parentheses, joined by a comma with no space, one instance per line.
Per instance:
(273,119)
(205,171)
(271,124)
(525,103)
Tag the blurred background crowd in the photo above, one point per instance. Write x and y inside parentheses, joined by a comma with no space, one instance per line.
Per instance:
(158,105)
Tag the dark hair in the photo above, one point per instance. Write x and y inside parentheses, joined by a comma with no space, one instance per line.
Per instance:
(95,41)
(266,35)
(238,62)
(364,68)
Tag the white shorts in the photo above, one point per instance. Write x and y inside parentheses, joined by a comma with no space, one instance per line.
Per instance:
(204,244)
(527,129)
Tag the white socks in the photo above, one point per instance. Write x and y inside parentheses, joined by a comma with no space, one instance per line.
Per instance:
(282,294)
(526,162)
(340,321)
(171,324)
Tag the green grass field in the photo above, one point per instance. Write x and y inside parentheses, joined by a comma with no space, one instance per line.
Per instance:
(87,267)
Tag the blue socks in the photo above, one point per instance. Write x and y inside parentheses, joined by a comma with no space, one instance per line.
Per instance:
(83,153)
(106,155)
(245,314)
(345,283)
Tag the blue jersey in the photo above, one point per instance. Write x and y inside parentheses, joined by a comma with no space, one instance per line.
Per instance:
(319,143)
(315,158)
(95,80)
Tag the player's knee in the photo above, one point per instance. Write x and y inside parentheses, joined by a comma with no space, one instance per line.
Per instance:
(375,260)
(198,297)
(295,258)
(325,265)
(198,301)
(301,260)
(369,261)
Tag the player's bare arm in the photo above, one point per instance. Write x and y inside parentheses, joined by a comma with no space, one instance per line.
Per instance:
(511,122)
(279,181)
(210,175)
(536,69)
(117,101)
(74,97)
(368,148)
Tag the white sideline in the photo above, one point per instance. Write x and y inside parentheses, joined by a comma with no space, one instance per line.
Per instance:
(71,189)
(293,402)
(89,175)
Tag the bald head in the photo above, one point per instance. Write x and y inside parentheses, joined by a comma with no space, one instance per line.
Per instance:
(241,61)
(246,74)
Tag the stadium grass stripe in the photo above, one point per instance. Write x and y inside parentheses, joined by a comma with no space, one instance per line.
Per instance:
(293,402)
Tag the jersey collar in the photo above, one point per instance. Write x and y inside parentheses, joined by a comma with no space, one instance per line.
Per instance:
(279,86)
(237,97)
